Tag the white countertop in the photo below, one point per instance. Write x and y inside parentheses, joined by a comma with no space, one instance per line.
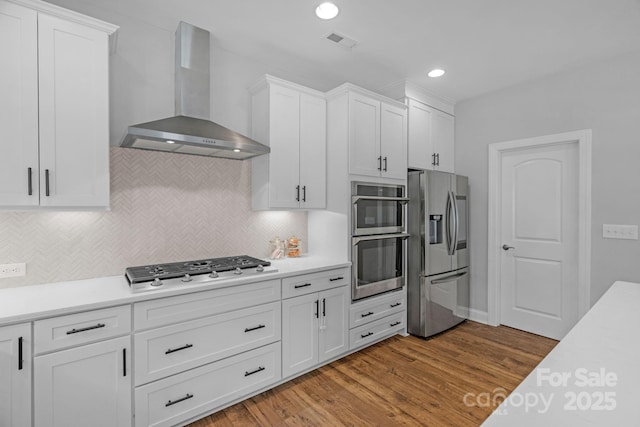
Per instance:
(600,361)
(39,301)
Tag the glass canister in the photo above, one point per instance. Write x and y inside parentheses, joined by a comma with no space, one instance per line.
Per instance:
(278,248)
(293,247)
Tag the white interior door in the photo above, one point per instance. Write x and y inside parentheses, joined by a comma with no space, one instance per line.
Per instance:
(539,260)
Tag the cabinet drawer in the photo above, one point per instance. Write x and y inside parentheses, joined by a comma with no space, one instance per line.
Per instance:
(77,329)
(314,282)
(165,311)
(375,330)
(173,400)
(172,349)
(376,308)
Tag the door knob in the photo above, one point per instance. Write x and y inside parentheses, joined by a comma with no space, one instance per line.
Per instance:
(507,247)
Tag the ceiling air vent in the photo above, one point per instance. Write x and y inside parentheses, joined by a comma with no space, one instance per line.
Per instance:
(342,40)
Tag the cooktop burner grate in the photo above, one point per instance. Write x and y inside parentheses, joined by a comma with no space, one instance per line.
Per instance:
(146,273)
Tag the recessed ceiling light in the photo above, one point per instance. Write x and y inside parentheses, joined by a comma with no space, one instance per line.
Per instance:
(170,141)
(327,10)
(235,150)
(436,72)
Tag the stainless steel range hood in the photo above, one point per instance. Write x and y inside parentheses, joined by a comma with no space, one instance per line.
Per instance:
(190,131)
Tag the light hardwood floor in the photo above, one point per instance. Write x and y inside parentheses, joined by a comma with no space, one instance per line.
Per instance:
(400,381)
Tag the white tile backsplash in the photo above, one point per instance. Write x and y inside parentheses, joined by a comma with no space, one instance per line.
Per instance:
(164,207)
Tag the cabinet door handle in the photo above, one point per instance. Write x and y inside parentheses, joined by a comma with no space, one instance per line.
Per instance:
(29,182)
(301,286)
(438,159)
(124,362)
(46,182)
(88,328)
(395,323)
(433,161)
(255,371)
(182,399)
(254,328)
(317,309)
(368,334)
(385,164)
(324,307)
(396,304)
(380,163)
(366,314)
(304,193)
(173,350)
(297,193)
(20,359)
(333,279)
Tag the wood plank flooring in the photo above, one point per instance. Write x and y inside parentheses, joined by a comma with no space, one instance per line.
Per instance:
(403,381)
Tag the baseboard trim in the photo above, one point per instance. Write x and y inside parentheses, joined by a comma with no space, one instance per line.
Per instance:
(479,316)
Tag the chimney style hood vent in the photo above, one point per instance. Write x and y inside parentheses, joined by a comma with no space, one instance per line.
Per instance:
(191,131)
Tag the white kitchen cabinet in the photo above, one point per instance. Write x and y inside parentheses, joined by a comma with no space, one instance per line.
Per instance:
(88,385)
(16,372)
(377,137)
(56,121)
(291,120)
(431,137)
(314,329)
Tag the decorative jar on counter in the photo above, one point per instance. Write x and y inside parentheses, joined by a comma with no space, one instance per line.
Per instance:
(293,247)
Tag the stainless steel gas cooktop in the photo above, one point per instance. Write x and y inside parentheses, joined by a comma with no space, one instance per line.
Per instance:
(177,274)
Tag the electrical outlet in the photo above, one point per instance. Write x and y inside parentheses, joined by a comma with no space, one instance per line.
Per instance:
(614,231)
(13,270)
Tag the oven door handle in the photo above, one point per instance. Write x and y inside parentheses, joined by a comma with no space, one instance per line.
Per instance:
(355,199)
(359,239)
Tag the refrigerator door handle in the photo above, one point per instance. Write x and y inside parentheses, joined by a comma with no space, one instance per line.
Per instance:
(448,278)
(449,231)
(456,219)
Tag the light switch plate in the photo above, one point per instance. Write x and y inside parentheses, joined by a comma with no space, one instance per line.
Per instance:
(615,231)
(13,270)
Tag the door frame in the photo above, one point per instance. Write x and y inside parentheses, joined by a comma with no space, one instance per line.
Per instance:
(496,150)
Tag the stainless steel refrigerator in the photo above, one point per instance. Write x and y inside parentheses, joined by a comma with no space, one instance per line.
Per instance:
(438,255)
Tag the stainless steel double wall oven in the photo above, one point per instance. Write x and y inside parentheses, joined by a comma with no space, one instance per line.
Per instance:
(378,235)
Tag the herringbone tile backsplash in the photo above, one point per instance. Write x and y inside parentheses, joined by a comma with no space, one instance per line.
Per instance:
(164,208)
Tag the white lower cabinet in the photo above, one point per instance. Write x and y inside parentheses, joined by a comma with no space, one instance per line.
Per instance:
(174,400)
(89,385)
(377,317)
(15,375)
(314,329)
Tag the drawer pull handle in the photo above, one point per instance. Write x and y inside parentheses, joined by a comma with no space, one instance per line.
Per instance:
(302,286)
(173,350)
(333,279)
(88,328)
(395,323)
(396,304)
(254,328)
(367,314)
(368,334)
(260,369)
(182,399)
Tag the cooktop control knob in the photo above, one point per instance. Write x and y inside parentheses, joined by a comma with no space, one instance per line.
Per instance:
(156,282)
(260,268)
(187,278)
(214,274)
(237,271)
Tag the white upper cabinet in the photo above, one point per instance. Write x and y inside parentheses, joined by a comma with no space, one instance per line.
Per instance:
(431,138)
(56,77)
(377,136)
(291,120)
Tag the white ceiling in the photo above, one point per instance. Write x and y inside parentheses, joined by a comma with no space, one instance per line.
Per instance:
(484,45)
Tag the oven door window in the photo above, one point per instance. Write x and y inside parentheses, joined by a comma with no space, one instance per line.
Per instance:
(378,260)
(378,215)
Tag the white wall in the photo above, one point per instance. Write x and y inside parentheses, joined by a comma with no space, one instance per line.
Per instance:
(604,97)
